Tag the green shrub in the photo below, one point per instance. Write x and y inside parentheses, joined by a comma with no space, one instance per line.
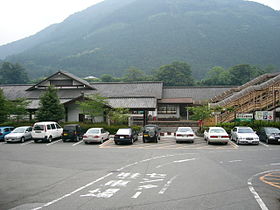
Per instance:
(112,129)
(256,125)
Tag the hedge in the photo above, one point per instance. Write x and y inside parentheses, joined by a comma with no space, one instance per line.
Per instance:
(256,125)
(85,126)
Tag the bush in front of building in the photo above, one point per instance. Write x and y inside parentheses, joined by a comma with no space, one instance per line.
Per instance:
(112,129)
(256,125)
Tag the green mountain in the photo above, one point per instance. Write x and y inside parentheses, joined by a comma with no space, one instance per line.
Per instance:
(113,35)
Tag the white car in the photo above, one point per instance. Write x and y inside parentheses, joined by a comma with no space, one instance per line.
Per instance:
(216,135)
(96,135)
(19,134)
(46,131)
(244,135)
(184,134)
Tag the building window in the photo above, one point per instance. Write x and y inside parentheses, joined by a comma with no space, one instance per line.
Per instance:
(59,83)
(167,109)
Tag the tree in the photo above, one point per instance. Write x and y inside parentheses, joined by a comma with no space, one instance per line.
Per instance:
(119,115)
(200,112)
(50,108)
(133,74)
(4,104)
(93,105)
(242,73)
(217,76)
(107,78)
(18,108)
(177,73)
(12,74)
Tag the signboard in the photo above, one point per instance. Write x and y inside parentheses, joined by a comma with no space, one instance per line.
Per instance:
(244,117)
(264,115)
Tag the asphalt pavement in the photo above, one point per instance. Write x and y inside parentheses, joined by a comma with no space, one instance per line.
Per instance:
(140,176)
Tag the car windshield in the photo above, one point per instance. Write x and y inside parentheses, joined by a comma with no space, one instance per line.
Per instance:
(217,130)
(19,130)
(149,128)
(184,130)
(245,130)
(38,127)
(272,130)
(123,131)
(93,131)
(69,128)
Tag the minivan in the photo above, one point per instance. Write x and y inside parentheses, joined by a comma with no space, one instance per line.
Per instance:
(46,131)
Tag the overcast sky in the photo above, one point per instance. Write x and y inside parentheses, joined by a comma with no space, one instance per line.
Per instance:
(22,18)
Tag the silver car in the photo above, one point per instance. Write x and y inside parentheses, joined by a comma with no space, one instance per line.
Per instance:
(19,134)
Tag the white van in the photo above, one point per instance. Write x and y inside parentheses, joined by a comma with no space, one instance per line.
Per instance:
(46,131)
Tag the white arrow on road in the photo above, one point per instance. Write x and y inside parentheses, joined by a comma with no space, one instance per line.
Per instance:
(176,161)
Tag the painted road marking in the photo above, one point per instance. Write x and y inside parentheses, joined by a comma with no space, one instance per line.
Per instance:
(103,177)
(233,144)
(274,164)
(54,142)
(272,179)
(166,186)
(254,192)
(234,161)
(2,143)
(26,143)
(77,143)
(264,144)
(176,161)
(136,195)
(73,192)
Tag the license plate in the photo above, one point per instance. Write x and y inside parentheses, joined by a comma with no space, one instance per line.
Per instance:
(37,131)
(146,135)
(121,137)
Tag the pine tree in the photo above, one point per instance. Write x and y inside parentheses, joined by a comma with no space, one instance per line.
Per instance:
(50,108)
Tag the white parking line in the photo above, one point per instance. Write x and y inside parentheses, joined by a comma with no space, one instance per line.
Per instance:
(264,144)
(233,144)
(136,195)
(77,143)
(254,192)
(54,142)
(25,143)
(275,164)
(234,161)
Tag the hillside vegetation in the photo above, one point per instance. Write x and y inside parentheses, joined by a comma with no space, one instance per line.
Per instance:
(114,35)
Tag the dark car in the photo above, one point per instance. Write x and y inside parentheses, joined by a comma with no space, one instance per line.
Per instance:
(269,135)
(4,131)
(151,133)
(72,132)
(125,135)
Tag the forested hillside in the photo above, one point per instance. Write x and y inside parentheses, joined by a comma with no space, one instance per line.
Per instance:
(110,37)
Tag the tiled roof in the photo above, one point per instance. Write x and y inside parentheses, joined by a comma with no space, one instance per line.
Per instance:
(136,89)
(67,74)
(176,101)
(133,103)
(248,90)
(196,93)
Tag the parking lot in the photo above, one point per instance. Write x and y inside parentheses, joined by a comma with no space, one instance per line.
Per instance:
(166,142)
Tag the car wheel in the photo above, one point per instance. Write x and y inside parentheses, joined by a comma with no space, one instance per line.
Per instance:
(35,141)
(208,142)
(116,143)
(50,139)
(156,140)
(22,140)
(85,142)
(226,143)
